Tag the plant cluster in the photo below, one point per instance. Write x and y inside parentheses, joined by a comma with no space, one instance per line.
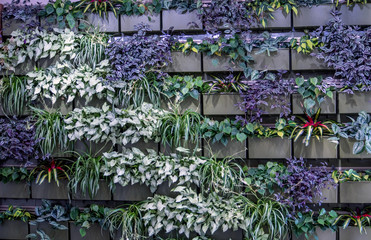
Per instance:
(15,214)
(359,217)
(88,216)
(133,166)
(21,11)
(36,45)
(132,57)
(64,81)
(351,176)
(359,130)
(51,213)
(13,95)
(13,174)
(50,169)
(115,125)
(181,87)
(18,140)
(302,185)
(350,63)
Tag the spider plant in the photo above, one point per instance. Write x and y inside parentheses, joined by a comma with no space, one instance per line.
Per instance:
(229,83)
(13,95)
(360,218)
(178,129)
(98,6)
(50,169)
(220,175)
(50,128)
(91,49)
(85,175)
(310,126)
(268,218)
(129,220)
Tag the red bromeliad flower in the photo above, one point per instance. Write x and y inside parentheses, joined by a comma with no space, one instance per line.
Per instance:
(310,122)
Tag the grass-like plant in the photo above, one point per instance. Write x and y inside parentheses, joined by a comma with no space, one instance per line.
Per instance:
(129,220)
(13,95)
(85,175)
(50,128)
(220,176)
(50,169)
(91,49)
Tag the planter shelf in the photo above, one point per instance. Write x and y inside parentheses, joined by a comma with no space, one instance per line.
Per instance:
(321,235)
(13,229)
(50,190)
(359,14)
(108,23)
(355,192)
(128,23)
(354,103)
(14,190)
(315,149)
(186,21)
(279,60)
(53,233)
(328,106)
(313,16)
(301,61)
(221,104)
(353,234)
(346,149)
(184,63)
(95,232)
(266,148)
(188,103)
(233,149)
(104,193)
(136,192)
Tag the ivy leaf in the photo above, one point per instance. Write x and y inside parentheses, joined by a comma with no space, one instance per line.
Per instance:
(241,137)
(358,147)
(71,20)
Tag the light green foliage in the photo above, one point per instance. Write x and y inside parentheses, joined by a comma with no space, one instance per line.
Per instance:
(13,95)
(65,81)
(152,169)
(117,125)
(182,87)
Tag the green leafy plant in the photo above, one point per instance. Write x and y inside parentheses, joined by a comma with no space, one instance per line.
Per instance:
(359,129)
(129,220)
(13,95)
(85,175)
(53,214)
(13,174)
(15,214)
(98,6)
(220,176)
(313,91)
(358,217)
(311,127)
(151,169)
(63,13)
(230,83)
(351,175)
(50,169)
(91,49)
(87,216)
(306,44)
(50,127)
(182,87)
(176,127)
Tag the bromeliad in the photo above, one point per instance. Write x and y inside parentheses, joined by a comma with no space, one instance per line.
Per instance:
(49,169)
(311,126)
(360,218)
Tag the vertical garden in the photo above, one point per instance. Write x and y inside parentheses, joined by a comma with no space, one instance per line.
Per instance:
(185,119)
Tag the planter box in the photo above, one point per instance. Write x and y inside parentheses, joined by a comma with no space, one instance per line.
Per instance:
(316,149)
(301,61)
(233,149)
(104,193)
(355,192)
(13,229)
(167,150)
(187,21)
(313,16)
(60,105)
(322,235)
(53,233)
(188,103)
(165,189)
(222,104)
(358,14)
(136,192)
(355,103)
(95,149)
(328,106)
(184,63)
(47,62)
(278,148)
(229,234)
(95,232)
(352,233)
(329,195)
(26,67)
(11,25)
(14,190)
(279,60)
(94,102)
(281,20)
(346,149)
(105,24)
(50,190)
(142,146)
(128,22)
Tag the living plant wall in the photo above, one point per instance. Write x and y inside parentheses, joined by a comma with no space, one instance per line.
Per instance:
(176,119)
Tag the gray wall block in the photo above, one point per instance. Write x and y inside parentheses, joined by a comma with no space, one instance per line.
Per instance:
(269,147)
(13,229)
(105,24)
(136,192)
(50,190)
(301,61)
(184,63)
(234,149)
(316,149)
(355,192)
(187,21)
(355,103)
(14,190)
(221,104)
(328,106)
(313,16)
(128,22)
